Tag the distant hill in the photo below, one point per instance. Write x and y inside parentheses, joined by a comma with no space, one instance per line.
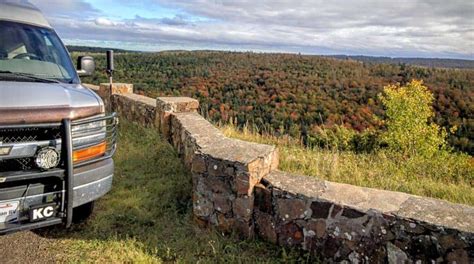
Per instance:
(72,48)
(425,62)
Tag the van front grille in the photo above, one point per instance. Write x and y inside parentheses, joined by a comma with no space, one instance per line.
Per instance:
(21,135)
(21,164)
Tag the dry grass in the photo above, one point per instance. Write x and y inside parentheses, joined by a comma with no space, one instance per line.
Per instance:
(446,176)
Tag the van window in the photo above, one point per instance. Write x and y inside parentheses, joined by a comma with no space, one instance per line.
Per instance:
(34,50)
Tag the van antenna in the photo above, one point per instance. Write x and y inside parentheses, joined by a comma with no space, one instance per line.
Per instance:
(110,65)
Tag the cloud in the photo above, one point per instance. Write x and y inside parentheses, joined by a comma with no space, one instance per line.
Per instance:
(77,9)
(101,21)
(177,20)
(371,27)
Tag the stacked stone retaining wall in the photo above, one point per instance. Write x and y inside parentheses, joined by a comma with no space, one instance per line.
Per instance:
(238,189)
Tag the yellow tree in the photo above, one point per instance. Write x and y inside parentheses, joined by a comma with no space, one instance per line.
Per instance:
(409,127)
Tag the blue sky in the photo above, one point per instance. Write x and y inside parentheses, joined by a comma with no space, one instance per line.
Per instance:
(116,10)
(408,28)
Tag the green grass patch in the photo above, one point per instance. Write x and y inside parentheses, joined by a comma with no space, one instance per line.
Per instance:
(448,176)
(147,217)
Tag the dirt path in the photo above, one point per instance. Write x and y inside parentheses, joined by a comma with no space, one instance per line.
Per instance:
(26,247)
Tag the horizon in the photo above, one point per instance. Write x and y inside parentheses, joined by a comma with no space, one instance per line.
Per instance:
(264,52)
(352,28)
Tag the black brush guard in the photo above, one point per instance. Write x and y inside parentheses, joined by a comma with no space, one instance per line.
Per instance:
(65,172)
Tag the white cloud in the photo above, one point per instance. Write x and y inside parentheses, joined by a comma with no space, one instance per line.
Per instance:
(101,21)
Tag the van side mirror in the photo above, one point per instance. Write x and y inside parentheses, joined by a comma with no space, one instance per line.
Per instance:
(85,66)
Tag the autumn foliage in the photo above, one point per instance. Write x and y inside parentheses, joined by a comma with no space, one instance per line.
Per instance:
(309,97)
(409,112)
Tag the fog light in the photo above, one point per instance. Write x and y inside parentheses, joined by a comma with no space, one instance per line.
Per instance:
(47,158)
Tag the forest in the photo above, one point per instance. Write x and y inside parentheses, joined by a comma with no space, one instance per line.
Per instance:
(303,96)
(425,62)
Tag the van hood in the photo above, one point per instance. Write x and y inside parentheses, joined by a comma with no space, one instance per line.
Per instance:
(28,102)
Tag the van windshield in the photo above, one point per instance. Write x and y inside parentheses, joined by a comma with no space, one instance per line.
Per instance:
(27,50)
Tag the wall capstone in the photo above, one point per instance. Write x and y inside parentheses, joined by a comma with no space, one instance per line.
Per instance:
(168,105)
(117,88)
(106,91)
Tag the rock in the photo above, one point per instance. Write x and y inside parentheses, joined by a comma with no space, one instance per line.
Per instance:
(290,235)
(222,203)
(320,209)
(242,183)
(198,164)
(117,88)
(318,226)
(330,247)
(426,247)
(213,219)
(215,168)
(256,166)
(414,228)
(265,226)
(219,185)
(244,229)
(263,199)
(458,256)
(352,213)
(336,210)
(396,255)
(202,206)
(229,171)
(200,185)
(243,207)
(448,242)
(225,224)
(290,209)
(177,104)
(354,257)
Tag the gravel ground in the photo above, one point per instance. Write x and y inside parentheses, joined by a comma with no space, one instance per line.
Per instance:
(26,247)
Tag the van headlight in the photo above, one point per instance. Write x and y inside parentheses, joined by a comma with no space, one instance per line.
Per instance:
(88,133)
(93,138)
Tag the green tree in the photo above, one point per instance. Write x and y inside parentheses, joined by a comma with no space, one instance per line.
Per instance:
(409,112)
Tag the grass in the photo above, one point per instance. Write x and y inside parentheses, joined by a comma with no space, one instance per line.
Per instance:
(448,176)
(147,217)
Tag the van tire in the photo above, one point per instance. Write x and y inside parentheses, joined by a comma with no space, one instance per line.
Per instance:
(82,212)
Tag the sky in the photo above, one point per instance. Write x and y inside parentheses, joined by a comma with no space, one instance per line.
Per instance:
(402,28)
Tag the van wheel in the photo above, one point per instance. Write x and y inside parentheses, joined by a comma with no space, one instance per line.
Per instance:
(82,213)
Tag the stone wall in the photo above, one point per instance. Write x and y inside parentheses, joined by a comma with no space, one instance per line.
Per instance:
(224,172)
(238,189)
(120,98)
(344,222)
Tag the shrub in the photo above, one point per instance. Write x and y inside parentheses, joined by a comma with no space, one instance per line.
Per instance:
(337,137)
(343,139)
(409,128)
